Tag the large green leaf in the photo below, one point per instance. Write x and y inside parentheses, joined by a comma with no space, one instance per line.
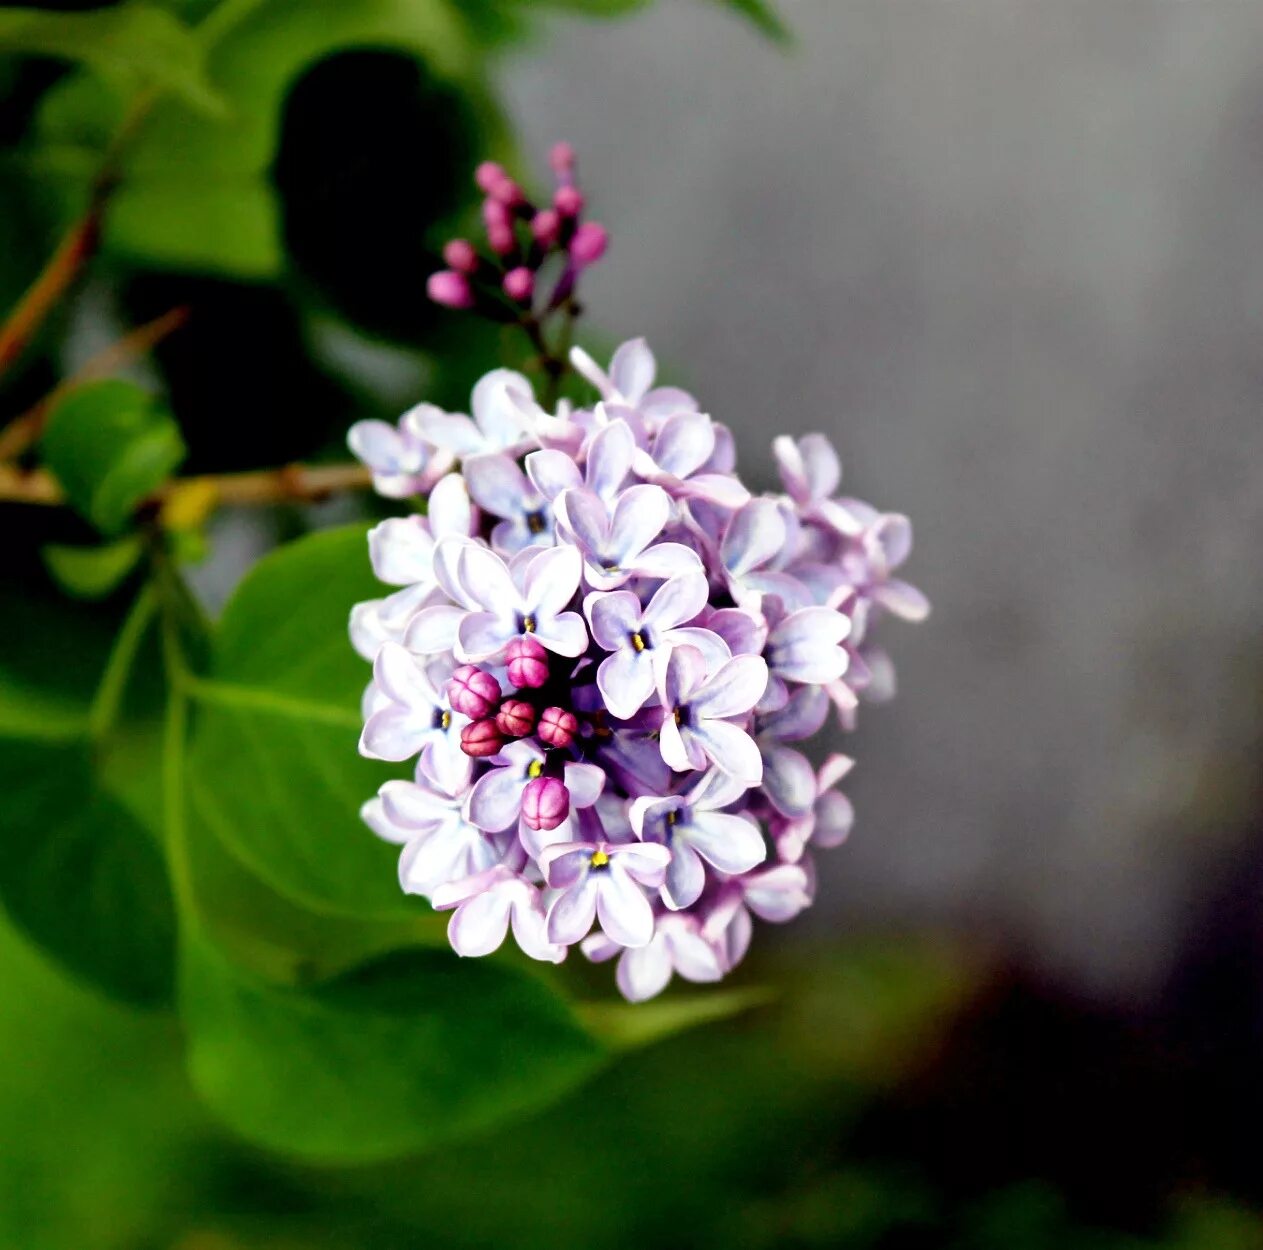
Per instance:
(80,872)
(413,1049)
(273,767)
(110,444)
(133,45)
(197,192)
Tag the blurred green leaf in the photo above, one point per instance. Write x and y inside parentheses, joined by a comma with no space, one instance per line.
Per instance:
(416,1048)
(763,16)
(625,1026)
(81,875)
(273,768)
(133,45)
(198,192)
(92,572)
(110,444)
(79,872)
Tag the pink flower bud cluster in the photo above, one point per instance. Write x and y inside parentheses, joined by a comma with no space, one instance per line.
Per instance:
(521,237)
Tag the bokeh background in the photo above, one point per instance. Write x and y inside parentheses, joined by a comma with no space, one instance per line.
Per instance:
(1010,256)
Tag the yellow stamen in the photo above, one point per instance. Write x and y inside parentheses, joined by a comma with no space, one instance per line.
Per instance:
(447,720)
(638,642)
(534,768)
(528,624)
(599,859)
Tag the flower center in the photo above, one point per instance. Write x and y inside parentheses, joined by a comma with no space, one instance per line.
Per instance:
(534,769)
(442,719)
(528,624)
(599,858)
(535,522)
(638,641)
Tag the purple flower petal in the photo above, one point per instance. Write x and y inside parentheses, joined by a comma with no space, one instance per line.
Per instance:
(754,536)
(679,753)
(788,780)
(498,486)
(677,601)
(552,577)
(610,459)
(625,680)
(684,444)
(733,690)
(686,876)
(496,799)
(614,616)
(731,749)
(622,908)
(730,843)
(645,972)
(640,513)
(433,630)
(572,912)
(480,925)
(552,472)
(482,636)
(632,370)
(683,672)
(564,635)
(664,560)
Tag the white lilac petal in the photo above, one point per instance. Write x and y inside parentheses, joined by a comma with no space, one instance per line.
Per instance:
(683,672)
(902,599)
(572,912)
(433,630)
(551,579)
(483,636)
(684,443)
(677,601)
(632,370)
(664,560)
(624,912)
(498,486)
(614,616)
(821,466)
(788,780)
(626,682)
(530,927)
(730,748)
(449,510)
(681,751)
(728,842)
(452,431)
(484,577)
(564,864)
(803,714)
(804,647)
(833,770)
(585,783)
(755,535)
(585,516)
(610,455)
(480,924)
(640,513)
(744,632)
(367,629)
(498,416)
(694,958)
(401,550)
(373,814)
(552,472)
(717,488)
(834,818)
(778,894)
(496,799)
(733,690)
(645,972)
(564,634)
(714,649)
(685,878)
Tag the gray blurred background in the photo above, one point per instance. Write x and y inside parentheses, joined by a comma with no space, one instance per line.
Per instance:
(1010,256)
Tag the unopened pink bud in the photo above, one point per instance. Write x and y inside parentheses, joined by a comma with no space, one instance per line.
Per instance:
(561,158)
(473,692)
(527,663)
(519,284)
(489,175)
(546,227)
(545,803)
(568,201)
(481,738)
(502,239)
(461,256)
(516,718)
(508,193)
(449,288)
(557,727)
(589,244)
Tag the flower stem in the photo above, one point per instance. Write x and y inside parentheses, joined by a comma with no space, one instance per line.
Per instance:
(109,694)
(293,483)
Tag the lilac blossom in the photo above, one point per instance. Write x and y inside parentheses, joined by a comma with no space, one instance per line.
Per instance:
(700,711)
(640,649)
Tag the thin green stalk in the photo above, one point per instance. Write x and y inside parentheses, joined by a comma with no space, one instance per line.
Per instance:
(175,732)
(109,694)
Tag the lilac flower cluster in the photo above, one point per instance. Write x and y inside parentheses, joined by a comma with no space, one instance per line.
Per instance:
(604,652)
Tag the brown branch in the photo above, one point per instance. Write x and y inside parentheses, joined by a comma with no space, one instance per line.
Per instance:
(293,483)
(23,431)
(77,246)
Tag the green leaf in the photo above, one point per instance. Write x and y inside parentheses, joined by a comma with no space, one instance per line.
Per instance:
(763,16)
(110,445)
(273,768)
(627,1026)
(416,1048)
(92,572)
(197,191)
(134,45)
(80,873)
